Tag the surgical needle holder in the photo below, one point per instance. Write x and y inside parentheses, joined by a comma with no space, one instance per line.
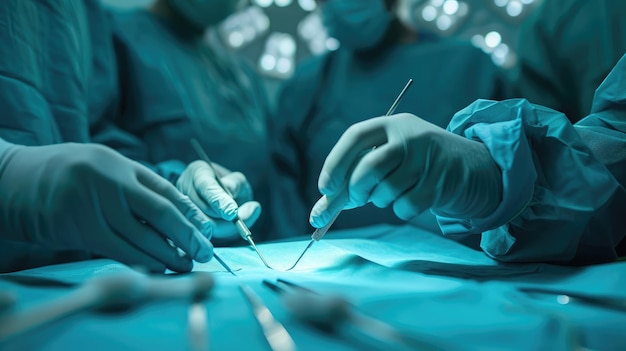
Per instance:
(241,227)
(319,233)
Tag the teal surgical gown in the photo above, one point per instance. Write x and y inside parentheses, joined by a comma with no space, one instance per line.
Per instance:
(566,50)
(329,93)
(563,186)
(174,86)
(45,70)
(58,83)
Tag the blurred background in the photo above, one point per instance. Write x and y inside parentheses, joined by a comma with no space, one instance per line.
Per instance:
(277,34)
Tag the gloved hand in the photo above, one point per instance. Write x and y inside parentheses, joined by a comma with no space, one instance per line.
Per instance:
(88,197)
(415,165)
(198,181)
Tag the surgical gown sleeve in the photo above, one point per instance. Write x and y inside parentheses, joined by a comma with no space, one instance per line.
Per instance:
(106,97)
(566,50)
(43,66)
(563,197)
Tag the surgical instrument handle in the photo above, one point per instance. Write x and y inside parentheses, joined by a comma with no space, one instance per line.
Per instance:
(319,233)
(241,227)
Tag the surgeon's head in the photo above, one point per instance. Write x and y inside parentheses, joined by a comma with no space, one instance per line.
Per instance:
(357,24)
(201,14)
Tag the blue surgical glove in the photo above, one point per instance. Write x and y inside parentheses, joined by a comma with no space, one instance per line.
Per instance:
(88,197)
(410,163)
(198,181)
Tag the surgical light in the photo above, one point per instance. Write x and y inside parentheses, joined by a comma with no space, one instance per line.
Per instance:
(245,26)
(514,8)
(493,39)
(450,7)
(500,3)
(307,5)
(278,58)
(442,15)
(313,32)
(264,3)
(429,13)
(282,3)
(493,45)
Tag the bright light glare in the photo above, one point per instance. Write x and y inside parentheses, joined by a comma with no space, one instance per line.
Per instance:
(429,13)
(287,46)
(450,7)
(500,3)
(284,65)
(501,51)
(235,39)
(437,3)
(478,40)
(262,23)
(268,62)
(248,33)
(264,3)
(527,2)
(444,22)
(282,3)
(308,5)
(463,9)
(500,54)
(514,8)
(493,39)
(310,26)
(332,44)
(563,299)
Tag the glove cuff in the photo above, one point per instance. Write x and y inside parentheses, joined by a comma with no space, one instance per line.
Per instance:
(499,126)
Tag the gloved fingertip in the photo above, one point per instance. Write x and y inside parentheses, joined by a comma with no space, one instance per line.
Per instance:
(184,265)
(204,258)
(319,215)
(205,254)
(318,221)
(325,184)
(203,249)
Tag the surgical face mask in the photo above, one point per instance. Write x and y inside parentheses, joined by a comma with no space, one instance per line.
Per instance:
(205,13)
(357,24)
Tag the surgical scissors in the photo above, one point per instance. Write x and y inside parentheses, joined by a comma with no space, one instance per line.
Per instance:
(241,227)
(319,233)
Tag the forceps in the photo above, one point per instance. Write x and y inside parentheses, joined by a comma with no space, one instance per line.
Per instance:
(319,233)
(275,333)
(241,227)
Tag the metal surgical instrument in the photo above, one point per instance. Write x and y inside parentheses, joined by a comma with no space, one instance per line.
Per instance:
(241,227)
(115,292)
(275,333)
(319,233)
(220,261)
(336,315)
